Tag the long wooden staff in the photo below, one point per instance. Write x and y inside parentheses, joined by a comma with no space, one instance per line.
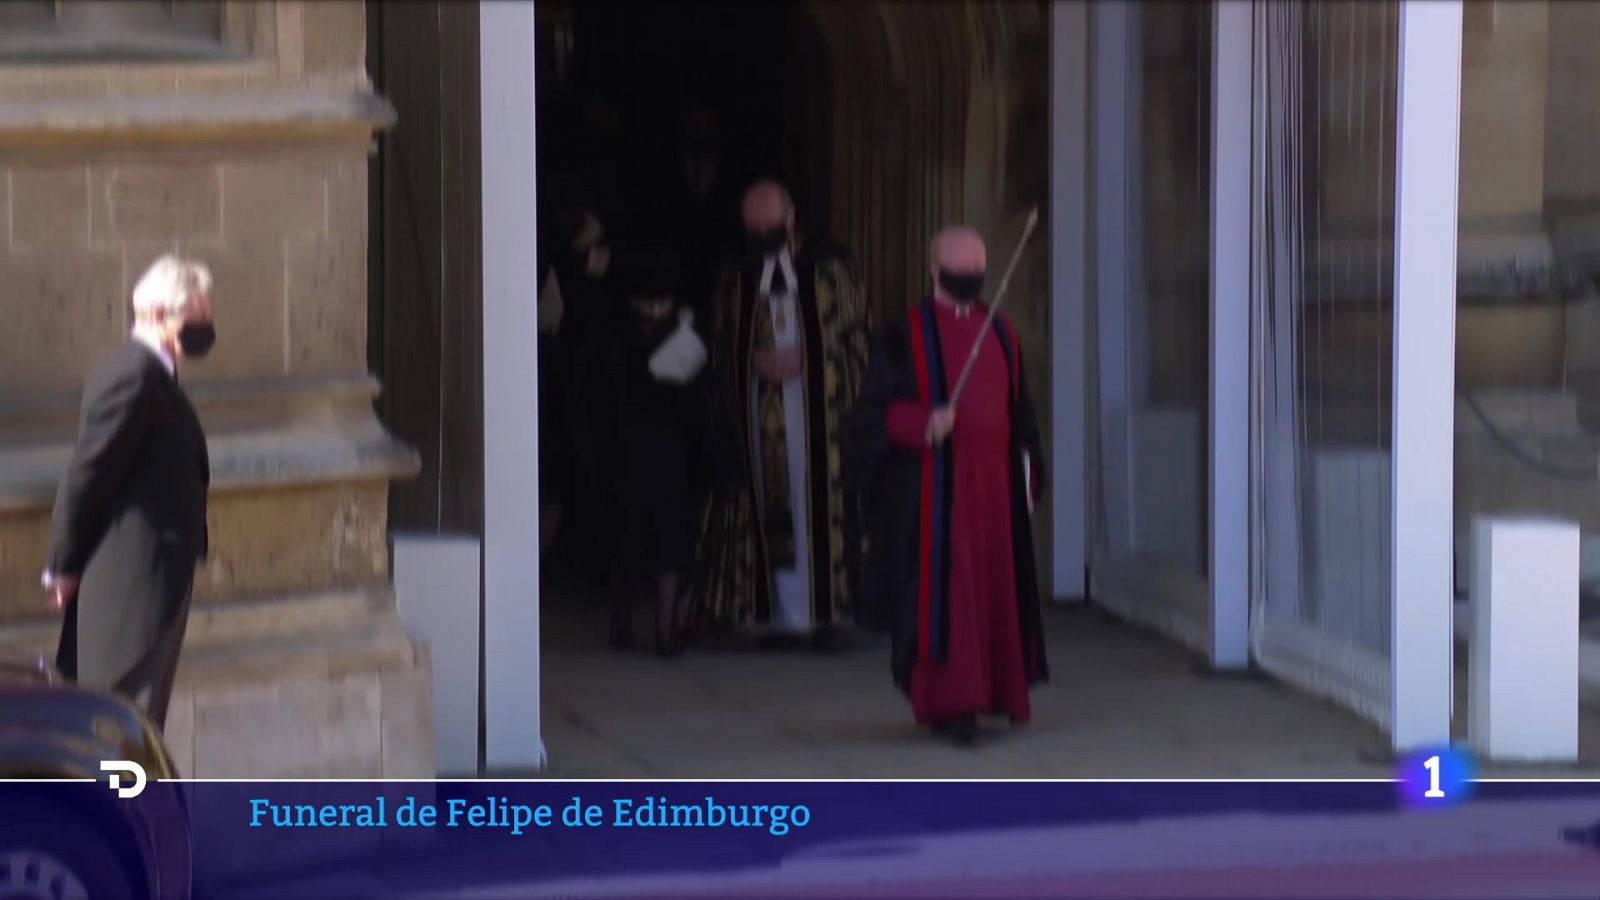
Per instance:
(994,307)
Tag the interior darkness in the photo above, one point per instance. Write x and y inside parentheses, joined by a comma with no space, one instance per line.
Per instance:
(627,77)
(632,95)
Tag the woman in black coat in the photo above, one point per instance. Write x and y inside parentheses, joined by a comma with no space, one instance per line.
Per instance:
(659,407)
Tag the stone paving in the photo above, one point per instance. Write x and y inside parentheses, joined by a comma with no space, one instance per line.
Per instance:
(1124,704)
(1121,704)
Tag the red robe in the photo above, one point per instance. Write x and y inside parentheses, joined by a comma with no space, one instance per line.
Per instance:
(984,667)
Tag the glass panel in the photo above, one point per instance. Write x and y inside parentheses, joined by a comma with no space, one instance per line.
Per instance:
(1153,396)
(1527,308)
(201,18)
(1172,278)
(1323,325)
(29,15)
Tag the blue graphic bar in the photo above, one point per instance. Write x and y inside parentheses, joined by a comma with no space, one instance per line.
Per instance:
(846,839)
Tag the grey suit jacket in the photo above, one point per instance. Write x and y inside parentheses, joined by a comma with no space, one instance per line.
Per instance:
(130,516)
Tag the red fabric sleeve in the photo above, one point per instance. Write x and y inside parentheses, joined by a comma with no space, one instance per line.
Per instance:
(908,424)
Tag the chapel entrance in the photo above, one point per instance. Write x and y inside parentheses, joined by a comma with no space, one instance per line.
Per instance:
(654,118)
(647,99)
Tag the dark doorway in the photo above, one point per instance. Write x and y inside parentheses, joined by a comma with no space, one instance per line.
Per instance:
(618,82)
(655,117)
(639,86)
(424,322)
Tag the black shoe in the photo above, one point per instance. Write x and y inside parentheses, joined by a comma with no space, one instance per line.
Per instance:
(621,636)
(830,640)
(962,732)
(669,645)
(777,640)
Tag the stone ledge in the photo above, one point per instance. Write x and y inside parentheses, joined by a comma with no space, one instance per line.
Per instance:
(295,540)
(188,118)
(327,685)
(379,644)
(1543,413)
(283,457)
(297,617)
(208,397)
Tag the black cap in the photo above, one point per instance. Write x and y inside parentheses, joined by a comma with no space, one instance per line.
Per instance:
(650,273)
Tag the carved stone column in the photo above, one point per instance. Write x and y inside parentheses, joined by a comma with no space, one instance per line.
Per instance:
(296,662)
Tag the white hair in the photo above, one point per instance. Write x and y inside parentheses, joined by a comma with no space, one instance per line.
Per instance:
(169,286)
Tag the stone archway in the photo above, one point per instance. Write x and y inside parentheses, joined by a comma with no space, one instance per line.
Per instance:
(925,108)
(940,114)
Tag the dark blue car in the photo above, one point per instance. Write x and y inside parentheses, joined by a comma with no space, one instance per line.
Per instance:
(64,833)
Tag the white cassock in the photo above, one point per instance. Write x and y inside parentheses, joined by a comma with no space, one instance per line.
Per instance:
(792,610)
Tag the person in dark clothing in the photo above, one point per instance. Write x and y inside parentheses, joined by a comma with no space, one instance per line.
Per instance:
(703,203)
(583,348)
(659,405)
(129,523)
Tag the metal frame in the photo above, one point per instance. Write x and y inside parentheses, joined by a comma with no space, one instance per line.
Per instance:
(1426,185)
(511,639)
(1115,92)
(1229,465)
(1069,296)
(1167,599)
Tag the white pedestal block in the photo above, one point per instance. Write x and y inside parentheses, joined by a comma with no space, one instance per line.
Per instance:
(1523,688)
(436,589)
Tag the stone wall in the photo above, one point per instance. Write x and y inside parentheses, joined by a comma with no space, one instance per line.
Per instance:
(1506,66)
(1503,86)
(284,234)
(1572,123)
(257,166)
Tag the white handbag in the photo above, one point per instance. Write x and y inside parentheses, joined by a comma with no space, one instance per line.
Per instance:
(680,357)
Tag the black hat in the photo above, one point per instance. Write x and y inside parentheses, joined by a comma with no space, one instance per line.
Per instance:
(650,273)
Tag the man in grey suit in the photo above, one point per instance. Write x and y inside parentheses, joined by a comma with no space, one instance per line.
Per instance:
(130,517)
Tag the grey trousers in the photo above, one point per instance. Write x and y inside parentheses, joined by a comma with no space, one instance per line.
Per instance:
(149,682)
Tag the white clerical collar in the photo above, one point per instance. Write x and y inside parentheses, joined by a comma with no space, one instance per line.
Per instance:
(154,346)
(783,260)
(962,310)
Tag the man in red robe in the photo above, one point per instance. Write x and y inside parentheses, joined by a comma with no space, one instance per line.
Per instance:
(949,492)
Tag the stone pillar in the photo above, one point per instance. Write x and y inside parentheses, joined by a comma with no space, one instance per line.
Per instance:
(296,663)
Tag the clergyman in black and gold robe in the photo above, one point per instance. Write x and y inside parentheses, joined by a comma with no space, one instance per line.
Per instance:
(790,340)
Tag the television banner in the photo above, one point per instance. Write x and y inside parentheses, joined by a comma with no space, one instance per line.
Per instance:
(493,839)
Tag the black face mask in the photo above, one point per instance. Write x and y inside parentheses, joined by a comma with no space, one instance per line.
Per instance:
(768,242)
(962,287)
(196,339)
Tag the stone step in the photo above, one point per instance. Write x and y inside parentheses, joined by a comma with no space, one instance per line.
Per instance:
(324,636)
(341,692)
(377,645)
(224,624)
(320,685)
(299,614)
